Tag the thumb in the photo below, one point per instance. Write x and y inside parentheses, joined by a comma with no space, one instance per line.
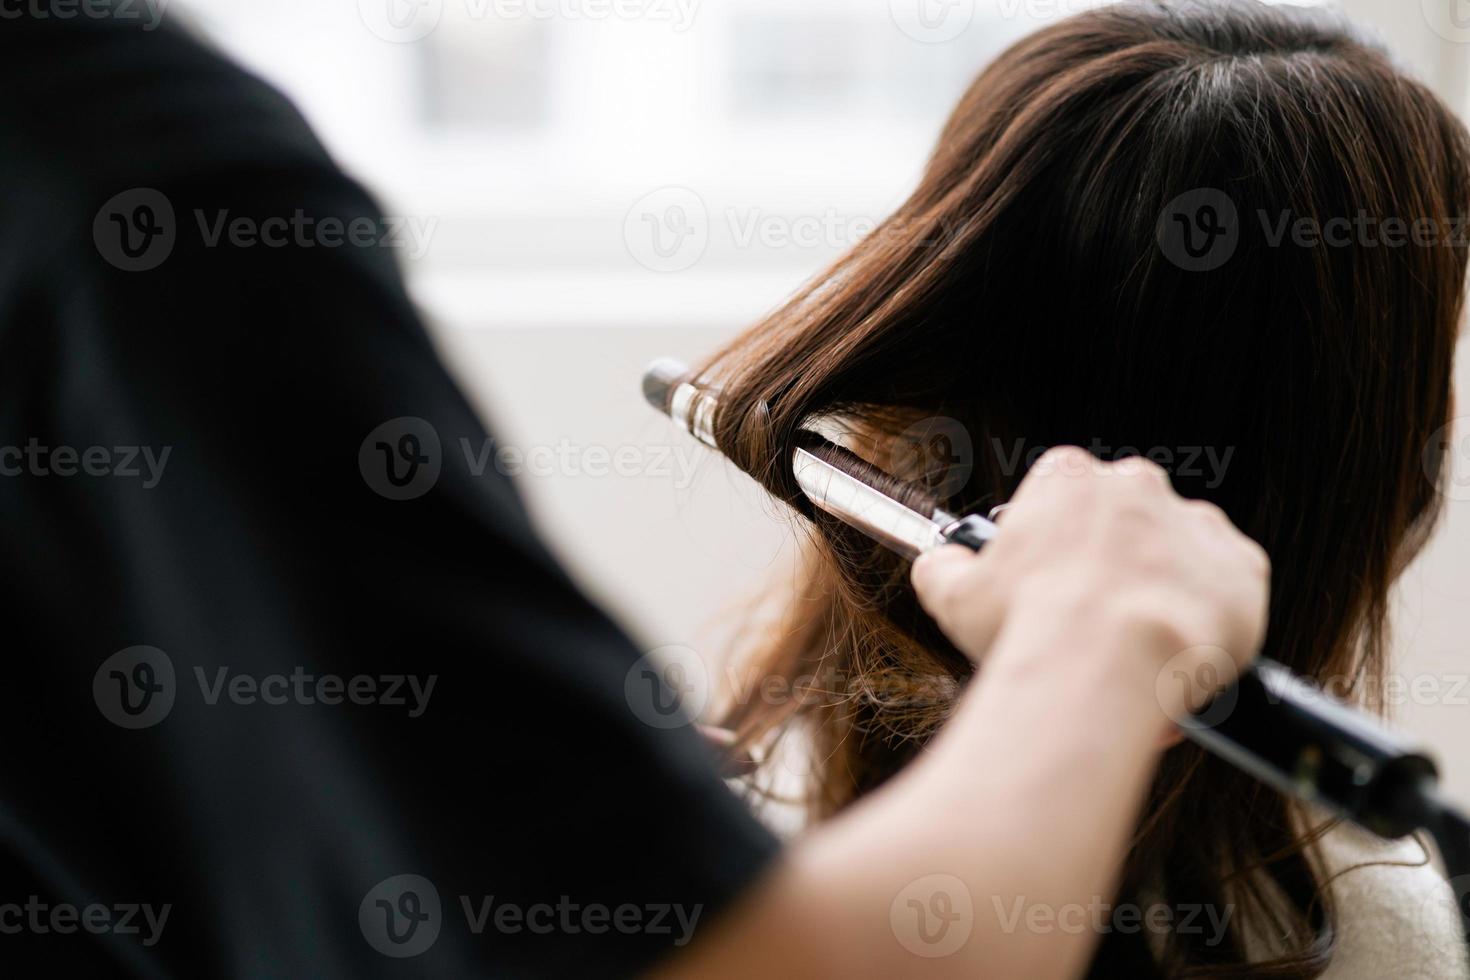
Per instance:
(935,570)
(950,583)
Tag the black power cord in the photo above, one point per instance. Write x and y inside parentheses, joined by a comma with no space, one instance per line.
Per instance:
(1450,829)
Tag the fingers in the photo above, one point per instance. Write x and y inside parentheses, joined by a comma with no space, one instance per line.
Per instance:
(951,583)
(1059,497)
(941,579)
(934,569)
(1055,469)
(1062,469)
(1142,470)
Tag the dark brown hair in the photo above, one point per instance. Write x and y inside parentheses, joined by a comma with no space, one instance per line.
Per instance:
(1094,257)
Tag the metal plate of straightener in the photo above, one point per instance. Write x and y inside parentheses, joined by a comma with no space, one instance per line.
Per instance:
(855,503)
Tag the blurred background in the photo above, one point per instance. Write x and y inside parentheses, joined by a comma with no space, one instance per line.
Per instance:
(584,185)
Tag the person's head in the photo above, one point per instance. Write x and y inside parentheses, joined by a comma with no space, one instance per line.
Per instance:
(1223,234)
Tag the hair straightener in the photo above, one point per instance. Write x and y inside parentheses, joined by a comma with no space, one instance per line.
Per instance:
(1278,728)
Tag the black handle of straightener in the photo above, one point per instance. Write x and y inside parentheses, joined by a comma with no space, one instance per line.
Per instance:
(1299,739)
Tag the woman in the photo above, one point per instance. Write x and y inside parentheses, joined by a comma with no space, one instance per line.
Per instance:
(1113,247)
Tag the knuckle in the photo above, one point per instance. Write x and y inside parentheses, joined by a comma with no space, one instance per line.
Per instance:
(936,591)
(1152,555)
(1259,557)
(1210,512)
(1063,461)
(956,603)
(1134,515)
(1141,470)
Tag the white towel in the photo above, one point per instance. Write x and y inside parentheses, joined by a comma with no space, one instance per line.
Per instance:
(1393,921)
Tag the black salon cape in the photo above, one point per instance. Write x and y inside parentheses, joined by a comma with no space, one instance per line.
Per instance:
(528,780)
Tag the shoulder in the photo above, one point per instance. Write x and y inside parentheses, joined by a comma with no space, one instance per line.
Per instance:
(116,103)
(1396,915)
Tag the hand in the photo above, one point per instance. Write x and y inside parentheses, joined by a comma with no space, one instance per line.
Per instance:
(1110,553)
